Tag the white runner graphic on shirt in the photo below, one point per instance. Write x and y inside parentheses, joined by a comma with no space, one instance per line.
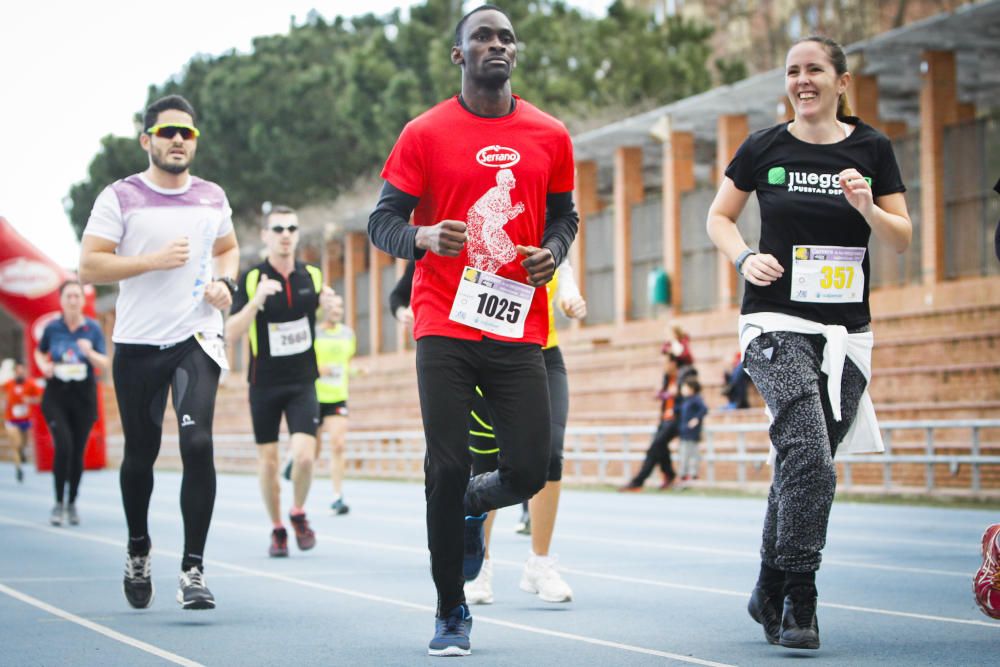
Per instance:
(489,246)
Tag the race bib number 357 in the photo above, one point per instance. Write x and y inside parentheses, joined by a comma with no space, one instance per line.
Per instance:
(487,302)
(827,274)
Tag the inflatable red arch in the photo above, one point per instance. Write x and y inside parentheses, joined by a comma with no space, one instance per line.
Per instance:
(29,291)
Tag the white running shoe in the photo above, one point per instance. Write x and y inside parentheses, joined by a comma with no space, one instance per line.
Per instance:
(480,589)
(540,576)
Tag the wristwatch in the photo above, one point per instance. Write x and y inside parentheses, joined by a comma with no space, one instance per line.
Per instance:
(741,259)
(229,283)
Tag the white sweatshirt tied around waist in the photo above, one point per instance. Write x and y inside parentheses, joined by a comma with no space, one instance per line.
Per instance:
(864,435)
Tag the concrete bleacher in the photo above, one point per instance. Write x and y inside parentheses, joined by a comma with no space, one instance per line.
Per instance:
(936,357)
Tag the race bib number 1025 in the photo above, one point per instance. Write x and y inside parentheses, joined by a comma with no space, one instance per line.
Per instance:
(487,302)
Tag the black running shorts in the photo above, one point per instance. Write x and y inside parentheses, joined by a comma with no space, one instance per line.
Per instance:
(296,401)
(338,409)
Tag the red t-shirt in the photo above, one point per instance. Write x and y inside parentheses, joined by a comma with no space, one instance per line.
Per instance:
(17,399)
(493,174)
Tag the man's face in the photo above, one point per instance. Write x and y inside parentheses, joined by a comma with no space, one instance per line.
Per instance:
(19,371)
(281,235)
(174,154)
(488,51)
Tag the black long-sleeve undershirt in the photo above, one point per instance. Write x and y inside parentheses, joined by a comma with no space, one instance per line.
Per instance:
(399,297)
(390,230)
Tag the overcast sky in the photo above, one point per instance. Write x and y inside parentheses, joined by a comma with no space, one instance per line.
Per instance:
(72,73)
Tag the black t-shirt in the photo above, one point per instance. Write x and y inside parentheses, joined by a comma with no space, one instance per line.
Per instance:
(801,203)
(288,320)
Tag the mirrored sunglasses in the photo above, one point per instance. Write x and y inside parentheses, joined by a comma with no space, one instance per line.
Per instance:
(170,130)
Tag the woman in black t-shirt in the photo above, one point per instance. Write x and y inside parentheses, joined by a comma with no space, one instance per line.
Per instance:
(825,181)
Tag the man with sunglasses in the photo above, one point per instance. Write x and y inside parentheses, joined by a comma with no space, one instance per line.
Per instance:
(167,238)
(276,307)
(489,180)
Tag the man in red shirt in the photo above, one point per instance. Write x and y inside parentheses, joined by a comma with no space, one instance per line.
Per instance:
(489,180)
(19,392)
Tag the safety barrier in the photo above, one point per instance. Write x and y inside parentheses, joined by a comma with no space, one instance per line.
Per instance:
(731,454)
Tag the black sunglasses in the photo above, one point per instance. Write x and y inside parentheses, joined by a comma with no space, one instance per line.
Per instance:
(170,130)
(278,229)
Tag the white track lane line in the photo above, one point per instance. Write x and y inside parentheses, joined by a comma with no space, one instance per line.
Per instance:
(366,596)
(98,628)
(586,573)
(646,544)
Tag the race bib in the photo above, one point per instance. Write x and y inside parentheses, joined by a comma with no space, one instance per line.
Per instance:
(19,411)
(288,338)
(215,347)
(70,372)
(827,274)
(487,302)
(333,376)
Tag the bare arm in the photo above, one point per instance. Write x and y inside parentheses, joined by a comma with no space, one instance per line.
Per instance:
(226,252)
(43,362)
(99,263)
(886,215)
(239,323)
(95,358)
(759,269)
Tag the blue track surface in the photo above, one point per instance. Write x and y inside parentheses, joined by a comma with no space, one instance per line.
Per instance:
(657,578)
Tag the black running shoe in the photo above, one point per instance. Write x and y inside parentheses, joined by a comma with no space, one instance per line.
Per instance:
(766,610)
(138,584)
(193,593)
(304,535)
(279,543)
(19,474)
(339,507)
(799,626)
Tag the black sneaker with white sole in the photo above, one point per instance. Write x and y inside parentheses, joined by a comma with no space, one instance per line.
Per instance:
(193,593)
(138,584)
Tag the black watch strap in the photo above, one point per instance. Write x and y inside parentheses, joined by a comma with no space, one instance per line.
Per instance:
(229,283)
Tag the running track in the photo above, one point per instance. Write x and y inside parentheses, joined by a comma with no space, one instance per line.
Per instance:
(658,579)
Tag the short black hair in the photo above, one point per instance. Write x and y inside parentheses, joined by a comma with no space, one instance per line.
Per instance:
(154,110)
(275,209)
(694,384)
(480,8)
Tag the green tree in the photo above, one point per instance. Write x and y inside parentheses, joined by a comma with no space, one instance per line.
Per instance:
(118,157)
(304,114)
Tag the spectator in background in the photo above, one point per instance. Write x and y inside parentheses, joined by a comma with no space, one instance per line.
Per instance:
(691,418)
(736,385)
(996,235)
(680,347)
(659,447)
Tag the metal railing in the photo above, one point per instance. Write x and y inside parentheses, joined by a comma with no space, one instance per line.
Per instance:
(745,446)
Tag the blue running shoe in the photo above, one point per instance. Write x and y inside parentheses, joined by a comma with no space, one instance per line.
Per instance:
(475,546)
(451,633)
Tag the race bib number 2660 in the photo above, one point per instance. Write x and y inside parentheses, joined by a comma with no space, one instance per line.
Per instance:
(490,303)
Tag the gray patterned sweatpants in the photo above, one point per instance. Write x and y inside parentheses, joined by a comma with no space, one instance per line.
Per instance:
(785,366)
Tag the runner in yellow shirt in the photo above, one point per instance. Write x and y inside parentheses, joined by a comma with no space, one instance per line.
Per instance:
(335,346)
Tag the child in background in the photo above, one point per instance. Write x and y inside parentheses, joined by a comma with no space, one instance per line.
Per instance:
(692,416)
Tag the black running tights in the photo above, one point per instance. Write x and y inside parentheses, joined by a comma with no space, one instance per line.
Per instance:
(143,374)
(70,415)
